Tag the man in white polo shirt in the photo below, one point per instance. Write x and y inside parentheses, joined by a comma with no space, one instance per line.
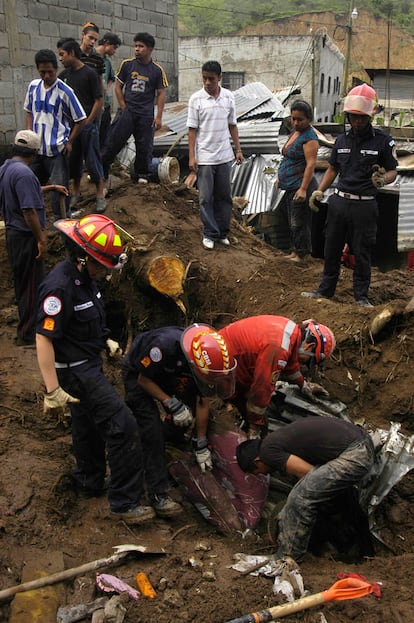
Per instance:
(211,122)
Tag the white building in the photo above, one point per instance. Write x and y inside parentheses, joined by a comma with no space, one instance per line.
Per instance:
(314,62)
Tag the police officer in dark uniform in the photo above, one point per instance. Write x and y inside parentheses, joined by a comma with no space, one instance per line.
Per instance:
(156,369)
(363,157)
(71,333)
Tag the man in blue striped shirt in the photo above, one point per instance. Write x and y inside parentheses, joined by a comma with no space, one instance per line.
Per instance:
(55,113)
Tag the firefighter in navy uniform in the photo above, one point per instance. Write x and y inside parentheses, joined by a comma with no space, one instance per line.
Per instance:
(71,333)
(364,160)
(157,367)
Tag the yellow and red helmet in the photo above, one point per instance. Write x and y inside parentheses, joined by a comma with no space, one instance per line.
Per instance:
(98,236)
(361,100)
(211,364)
(322,337)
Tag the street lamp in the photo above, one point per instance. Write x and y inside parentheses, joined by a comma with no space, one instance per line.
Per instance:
(353,14)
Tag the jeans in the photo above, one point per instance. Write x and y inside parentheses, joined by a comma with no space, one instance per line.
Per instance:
(86,147)
(28,273)
(317,487)
(299,220)
(216,205)
(125,124)
(53,170)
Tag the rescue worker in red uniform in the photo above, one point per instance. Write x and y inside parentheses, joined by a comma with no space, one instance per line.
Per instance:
(266,349)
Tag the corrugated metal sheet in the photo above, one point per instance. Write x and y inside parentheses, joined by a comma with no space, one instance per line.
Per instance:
(255,179)
(405,236)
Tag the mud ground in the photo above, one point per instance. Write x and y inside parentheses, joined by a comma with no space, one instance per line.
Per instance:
(39,512)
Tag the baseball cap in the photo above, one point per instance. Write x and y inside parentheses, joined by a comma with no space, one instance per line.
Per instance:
(28,139)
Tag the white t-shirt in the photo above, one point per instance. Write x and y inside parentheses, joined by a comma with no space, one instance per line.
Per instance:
(211,118)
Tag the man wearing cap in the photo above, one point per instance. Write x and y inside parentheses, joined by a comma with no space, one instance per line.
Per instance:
(327,455)
(23,210)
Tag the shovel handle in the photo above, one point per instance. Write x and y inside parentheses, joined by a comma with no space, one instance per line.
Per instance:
(347,588)
(60,576)
(281,611)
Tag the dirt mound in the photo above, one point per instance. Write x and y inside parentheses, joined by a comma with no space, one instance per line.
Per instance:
(39,511)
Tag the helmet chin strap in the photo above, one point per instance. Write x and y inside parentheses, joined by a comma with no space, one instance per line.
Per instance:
(311,359)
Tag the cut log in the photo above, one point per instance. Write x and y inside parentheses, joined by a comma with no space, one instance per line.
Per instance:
(166,275)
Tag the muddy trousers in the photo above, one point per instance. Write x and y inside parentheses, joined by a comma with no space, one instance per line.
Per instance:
(27,276)
(319,486)
(149,423)
(103,425)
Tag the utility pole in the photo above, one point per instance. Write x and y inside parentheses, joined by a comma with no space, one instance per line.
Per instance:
(353,14)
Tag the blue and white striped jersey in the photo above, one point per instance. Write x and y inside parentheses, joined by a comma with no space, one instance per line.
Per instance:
(54,111)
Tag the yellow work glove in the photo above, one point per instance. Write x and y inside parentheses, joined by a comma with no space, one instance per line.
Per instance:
(57,400)
(317,195)
(114,349)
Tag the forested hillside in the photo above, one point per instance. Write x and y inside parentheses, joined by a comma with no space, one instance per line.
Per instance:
(215,17)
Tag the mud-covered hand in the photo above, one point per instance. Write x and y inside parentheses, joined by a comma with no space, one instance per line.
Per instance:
(181,414)
(57,400)
(202,453)
(378,177)
(309,390)
(114,349)
(316,196)
(318,390)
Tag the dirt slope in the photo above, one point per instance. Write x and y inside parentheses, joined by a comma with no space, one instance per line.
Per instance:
(38,510)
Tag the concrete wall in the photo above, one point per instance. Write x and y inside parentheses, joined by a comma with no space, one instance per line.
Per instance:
(277,61)
(26,26)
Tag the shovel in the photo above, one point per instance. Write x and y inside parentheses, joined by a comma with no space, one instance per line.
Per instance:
(348,588)
(121,552)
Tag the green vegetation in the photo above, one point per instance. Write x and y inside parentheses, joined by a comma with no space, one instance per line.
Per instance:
(219,17)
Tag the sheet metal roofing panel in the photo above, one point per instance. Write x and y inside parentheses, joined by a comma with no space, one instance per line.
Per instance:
(405,232)
(255,179)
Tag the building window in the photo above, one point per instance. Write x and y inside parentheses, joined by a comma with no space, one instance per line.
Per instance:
(232,80)
(329,85)
(322,83)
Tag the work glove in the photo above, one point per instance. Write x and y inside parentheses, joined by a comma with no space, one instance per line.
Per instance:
(57,400)
(114,349)
(202,453)
(316,196)
(378,177)
(181,414)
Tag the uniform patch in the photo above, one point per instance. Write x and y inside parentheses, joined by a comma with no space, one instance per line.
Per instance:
(48,324)
(155,354)
(146,362)
(282,363)
(52,305)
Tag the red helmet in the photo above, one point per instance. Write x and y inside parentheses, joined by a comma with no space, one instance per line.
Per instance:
(322,337)
(361,100)
(213,368)
(99,236)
